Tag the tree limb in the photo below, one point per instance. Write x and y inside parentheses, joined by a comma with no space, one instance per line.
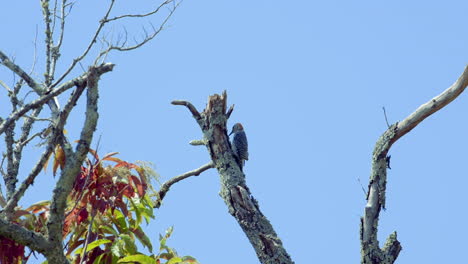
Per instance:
(57,133)
(48,40)
(370,251)
(10,177)
(101,69)
(167,185)
(21,235)
(234,191)
(190,107)
(72,168)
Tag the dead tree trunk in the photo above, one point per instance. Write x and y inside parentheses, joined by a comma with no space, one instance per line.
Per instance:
(371,253)
(234,191)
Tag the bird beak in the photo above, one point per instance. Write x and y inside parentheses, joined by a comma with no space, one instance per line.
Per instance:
(230,133)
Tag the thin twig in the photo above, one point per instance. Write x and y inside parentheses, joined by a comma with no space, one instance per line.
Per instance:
(21,73)
(146,39)
(142,15)
(90,45)
(362,187)
(33,66)
(6,87)
(88,236)
(385,115)
(38,119)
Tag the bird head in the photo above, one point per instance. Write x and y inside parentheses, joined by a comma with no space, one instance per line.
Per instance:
(237,128)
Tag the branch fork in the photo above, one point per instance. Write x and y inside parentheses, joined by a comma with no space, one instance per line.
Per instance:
(370,251)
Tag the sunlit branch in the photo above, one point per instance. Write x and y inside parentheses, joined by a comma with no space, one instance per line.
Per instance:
(167,185)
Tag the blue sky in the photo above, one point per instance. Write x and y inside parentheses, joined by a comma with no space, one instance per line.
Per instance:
(308,80)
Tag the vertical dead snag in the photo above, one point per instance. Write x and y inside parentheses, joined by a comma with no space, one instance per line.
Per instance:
(371,253)
(234,191)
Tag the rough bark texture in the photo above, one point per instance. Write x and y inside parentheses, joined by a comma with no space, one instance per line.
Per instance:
(371,253)
(234,191)
(72,168)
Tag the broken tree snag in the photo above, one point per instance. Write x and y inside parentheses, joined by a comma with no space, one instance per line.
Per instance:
(371,253)
(234,191)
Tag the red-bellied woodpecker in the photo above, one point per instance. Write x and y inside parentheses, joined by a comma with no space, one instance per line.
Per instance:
(239,144)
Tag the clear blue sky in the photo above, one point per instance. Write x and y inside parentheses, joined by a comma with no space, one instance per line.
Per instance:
(309,79)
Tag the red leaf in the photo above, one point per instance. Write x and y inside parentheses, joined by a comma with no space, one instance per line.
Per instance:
(82,215)
(141,188)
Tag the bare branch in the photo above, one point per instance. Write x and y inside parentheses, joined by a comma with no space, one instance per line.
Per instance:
(190,107)
(13,169)
(33,66)
(48,40)
(21,73)
(55,50)
(90,45)
(371,253)
(53,140)
(167,185)
(62,24)
(28,140)
(11,176)
(385,115)
(199,142)
(147,37)
(433,105)
(101,69)
(6,87)
(53,103)
(229,111)
(143,15)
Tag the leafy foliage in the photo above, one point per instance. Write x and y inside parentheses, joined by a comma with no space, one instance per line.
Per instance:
(103,222)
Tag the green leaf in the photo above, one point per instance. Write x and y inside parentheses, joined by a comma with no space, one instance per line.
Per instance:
(108,230)
(137,207)
(120,221)
(189,259)
(143,238)
(98,259)
(138,258)
(129,243)
(93,245)
(169,231)
(117,248)
(174,260)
